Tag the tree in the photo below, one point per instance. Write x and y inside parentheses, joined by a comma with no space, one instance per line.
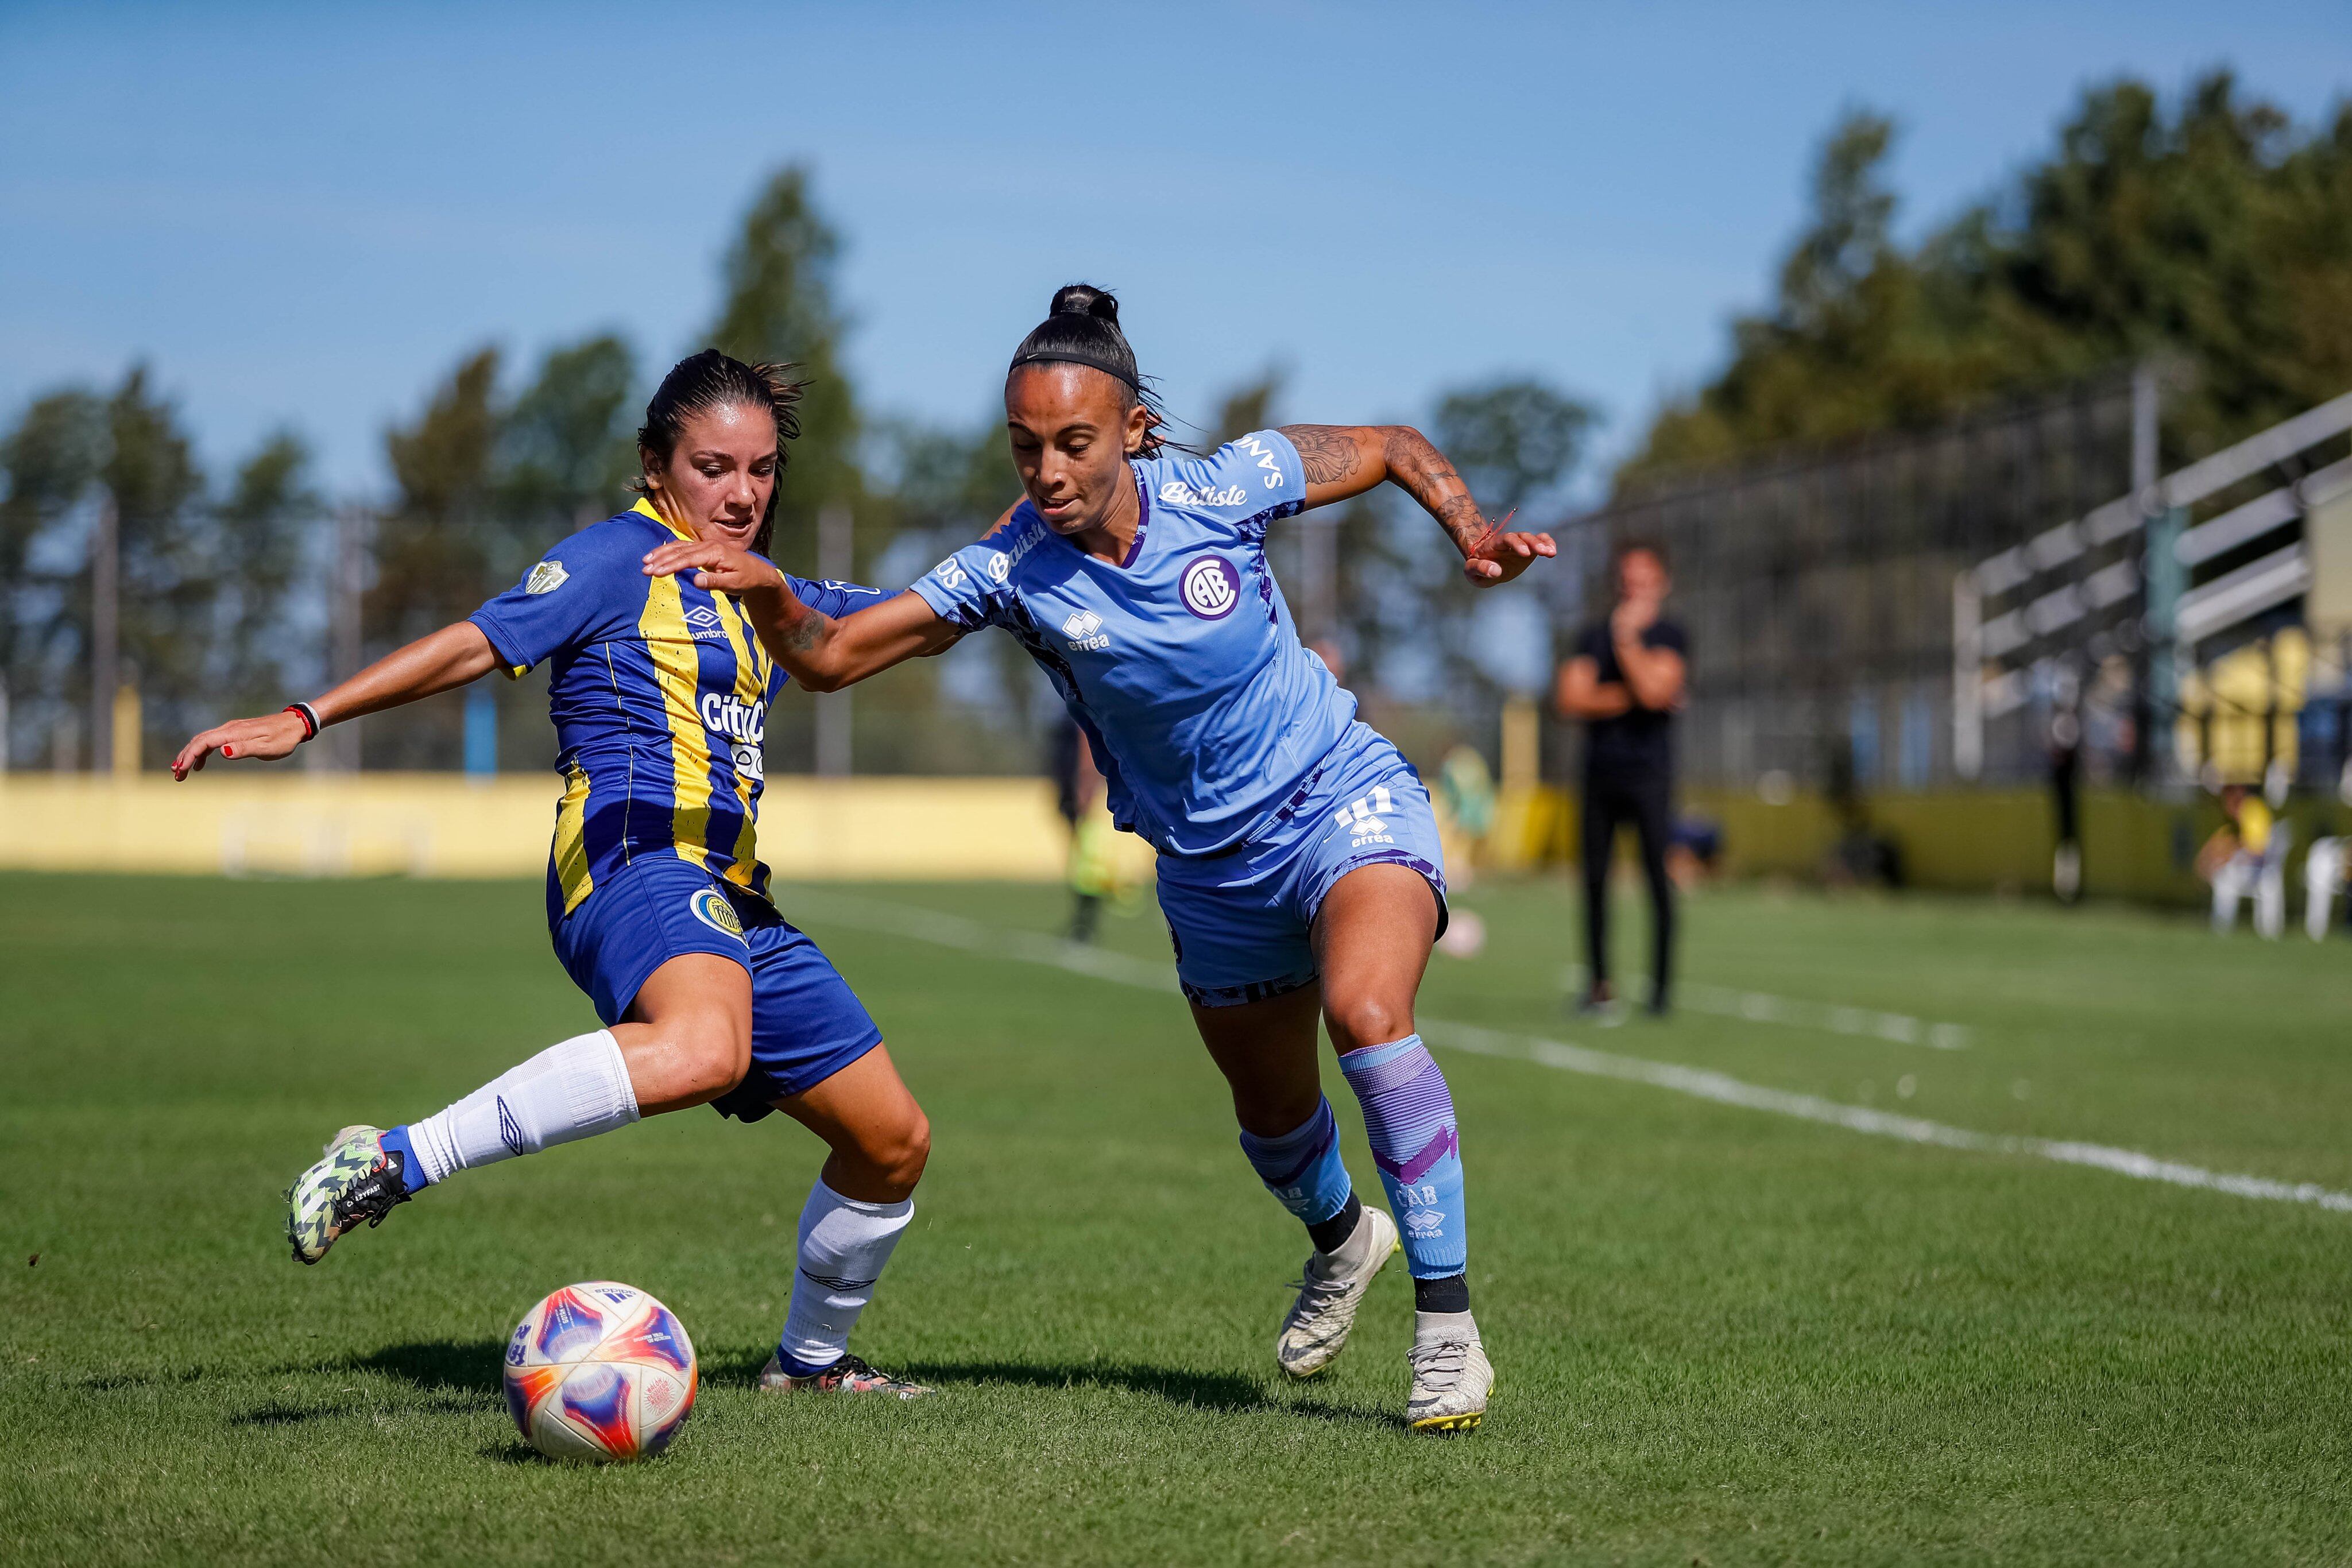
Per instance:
(53,458)
(1513,441)
(1249,406)
(780,307)
(2217,236)
(566,450)
(255,553)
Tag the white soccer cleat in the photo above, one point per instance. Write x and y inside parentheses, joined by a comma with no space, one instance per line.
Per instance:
(1332,1289)
(1451,1378)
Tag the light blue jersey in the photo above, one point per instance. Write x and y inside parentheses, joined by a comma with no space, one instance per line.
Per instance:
(1181,662)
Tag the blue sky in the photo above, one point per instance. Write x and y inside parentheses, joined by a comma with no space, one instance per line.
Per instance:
(303,214)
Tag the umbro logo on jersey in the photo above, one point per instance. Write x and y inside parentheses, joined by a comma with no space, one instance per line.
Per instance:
(1177,493)
(1211,587)
(704,623)
(1085,632)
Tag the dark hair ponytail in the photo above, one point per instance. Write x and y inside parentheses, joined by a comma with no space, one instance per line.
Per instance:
(1082,329)
(712,380)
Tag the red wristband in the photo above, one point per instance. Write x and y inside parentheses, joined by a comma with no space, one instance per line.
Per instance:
(308,714)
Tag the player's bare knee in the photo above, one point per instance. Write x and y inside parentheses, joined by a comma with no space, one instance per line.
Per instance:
(900,1158)
(713,1056)
(1357,1022)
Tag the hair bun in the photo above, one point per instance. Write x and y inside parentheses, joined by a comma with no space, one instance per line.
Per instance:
(1085,299)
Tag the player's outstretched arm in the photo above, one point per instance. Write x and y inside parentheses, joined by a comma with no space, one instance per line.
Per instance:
(433,663)
(1345,460)
(821,653)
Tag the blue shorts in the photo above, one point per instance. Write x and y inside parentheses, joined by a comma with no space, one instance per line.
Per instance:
(1240,920)
(806,1023)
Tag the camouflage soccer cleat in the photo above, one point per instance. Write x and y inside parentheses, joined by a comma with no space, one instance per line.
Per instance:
(357,1180)
(1451,1378)
(849,1376)
(1331,1289)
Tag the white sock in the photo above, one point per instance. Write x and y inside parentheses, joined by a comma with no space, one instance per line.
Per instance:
(574,1090)
(844,1244)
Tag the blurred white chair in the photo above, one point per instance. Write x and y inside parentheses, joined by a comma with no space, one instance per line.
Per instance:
(2322,878)
(2262,877)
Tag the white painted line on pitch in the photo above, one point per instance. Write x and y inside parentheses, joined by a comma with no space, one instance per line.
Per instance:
(954,931)
(1762,1006)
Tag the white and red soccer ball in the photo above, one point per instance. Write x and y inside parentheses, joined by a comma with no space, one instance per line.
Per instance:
(599,1372)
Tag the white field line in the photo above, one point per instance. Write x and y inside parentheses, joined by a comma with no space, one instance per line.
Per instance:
(1762,1006)
(954,931)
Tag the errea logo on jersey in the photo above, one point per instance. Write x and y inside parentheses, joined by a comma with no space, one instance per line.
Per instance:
(1085,632)
(1176,493)
(1361,817)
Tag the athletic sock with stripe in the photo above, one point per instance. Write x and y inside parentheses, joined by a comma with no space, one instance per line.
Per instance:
(844,1246)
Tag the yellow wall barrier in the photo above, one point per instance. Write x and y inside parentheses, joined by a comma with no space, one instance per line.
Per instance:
(445,825)
(1959,839)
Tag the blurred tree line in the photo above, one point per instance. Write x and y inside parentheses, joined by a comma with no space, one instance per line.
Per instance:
(2213,236)
(235,593)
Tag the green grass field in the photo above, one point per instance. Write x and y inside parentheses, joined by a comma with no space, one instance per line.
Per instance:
(1723,1335)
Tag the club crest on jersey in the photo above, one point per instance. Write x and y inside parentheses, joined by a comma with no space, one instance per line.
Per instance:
(1211,587)
(711,907)
(545,578)
(1084,629)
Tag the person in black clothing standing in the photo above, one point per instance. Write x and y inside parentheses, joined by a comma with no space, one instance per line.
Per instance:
(1625,680)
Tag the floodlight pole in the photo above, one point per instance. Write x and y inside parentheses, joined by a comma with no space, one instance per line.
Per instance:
(105,630)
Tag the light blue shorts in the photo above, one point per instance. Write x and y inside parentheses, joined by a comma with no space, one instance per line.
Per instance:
(1240,920)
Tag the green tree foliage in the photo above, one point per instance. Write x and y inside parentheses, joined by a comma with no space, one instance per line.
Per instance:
(1513,441)
(566,450)
(2216,236)
(203,581)
(1249,406)
(255,559)
(435,549)
(779,305)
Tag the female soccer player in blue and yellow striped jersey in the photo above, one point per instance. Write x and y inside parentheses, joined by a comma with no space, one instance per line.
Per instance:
(656,894)
(1298,861)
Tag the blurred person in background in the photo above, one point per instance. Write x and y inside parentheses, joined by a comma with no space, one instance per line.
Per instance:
(1625,681)
(2246,854)
(1078,790)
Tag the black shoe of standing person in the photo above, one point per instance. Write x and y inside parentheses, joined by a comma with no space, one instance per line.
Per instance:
(1599,1004)
(1659,1007)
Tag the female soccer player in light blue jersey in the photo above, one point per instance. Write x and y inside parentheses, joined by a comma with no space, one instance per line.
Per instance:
(656,894)
(1299,868)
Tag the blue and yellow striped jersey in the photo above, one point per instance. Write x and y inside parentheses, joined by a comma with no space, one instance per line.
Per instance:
(660,691)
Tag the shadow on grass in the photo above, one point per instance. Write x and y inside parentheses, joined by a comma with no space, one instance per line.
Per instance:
(1221,1393)
(470,1367)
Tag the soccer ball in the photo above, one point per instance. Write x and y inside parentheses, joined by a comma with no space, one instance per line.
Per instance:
(599,1372)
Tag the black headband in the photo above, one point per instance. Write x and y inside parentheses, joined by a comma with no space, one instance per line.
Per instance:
(1076,357)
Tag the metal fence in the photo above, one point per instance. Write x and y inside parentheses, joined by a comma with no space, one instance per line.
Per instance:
(1817,588)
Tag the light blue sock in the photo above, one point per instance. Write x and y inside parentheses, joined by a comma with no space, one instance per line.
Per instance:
(1409,1117)
(1302,1166)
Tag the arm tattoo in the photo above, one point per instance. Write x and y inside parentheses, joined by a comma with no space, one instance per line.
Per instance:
(1325,452)
(805,630)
